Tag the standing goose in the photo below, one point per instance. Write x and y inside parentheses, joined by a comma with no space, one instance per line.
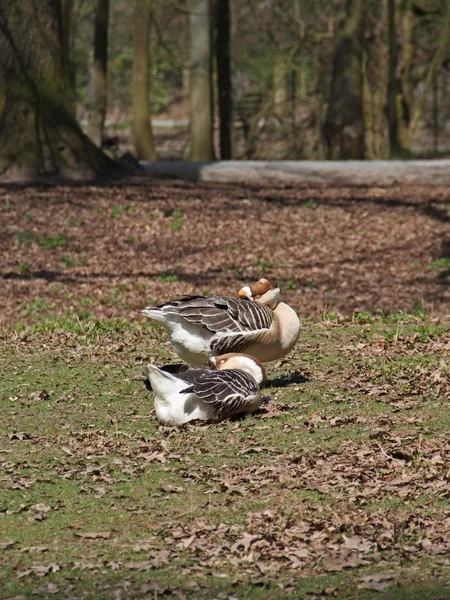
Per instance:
(255,323)
(230,387)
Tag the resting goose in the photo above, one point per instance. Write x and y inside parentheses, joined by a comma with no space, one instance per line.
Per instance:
(230,387)
(255,323)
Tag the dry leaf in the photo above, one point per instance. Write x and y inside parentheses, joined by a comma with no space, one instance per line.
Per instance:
(172,489)
(379,582)
(89,535)
(245,542)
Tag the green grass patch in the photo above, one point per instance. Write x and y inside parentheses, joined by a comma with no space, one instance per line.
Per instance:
(176,220)
(50,242)
(168,277)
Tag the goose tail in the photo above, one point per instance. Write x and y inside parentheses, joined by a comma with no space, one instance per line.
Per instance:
(161,382)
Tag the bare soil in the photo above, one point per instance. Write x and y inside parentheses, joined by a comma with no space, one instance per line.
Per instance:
(110,250)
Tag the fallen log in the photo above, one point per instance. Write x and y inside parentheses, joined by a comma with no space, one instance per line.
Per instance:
(352,172)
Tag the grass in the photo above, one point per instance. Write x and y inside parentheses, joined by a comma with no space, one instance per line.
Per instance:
(50,242)
(119,210)
(24,267)
(98,500)
(168,277)
(176,220)
(24,238)
(67,261)
(442,265)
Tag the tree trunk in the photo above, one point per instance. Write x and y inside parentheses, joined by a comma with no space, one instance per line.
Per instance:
(223,61)
(441,48)
(436,114)
(143,134)
(393,90)
(67,42)
(201,81)
(38,131)
(344,123)
(405,65)
(99,73)
(280,85)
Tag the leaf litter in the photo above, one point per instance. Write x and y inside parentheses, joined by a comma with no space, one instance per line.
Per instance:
(118,265)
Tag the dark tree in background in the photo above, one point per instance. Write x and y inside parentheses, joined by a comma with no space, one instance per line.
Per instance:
(224,83)
(393,87)
(99,73)
(441,46)
(38,131)
(344,122)
(201,124)
(67,44)
(143,135)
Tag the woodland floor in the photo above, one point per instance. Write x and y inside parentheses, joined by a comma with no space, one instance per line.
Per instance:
(338,489)
(112,250)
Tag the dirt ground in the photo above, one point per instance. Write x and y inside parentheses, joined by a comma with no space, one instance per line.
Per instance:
(110,250)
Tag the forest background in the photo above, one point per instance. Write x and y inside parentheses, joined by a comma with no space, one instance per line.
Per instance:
(287,79)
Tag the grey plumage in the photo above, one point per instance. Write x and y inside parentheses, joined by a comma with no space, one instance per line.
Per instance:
(221,313)
(231,391)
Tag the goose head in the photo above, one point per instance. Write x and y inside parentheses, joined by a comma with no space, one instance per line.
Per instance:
(263,291)
(244,362)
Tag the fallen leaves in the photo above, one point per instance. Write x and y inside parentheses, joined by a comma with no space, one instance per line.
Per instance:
(34,549)
(91,535)
(20,435)
(365,249)
(172,489)
(39,570)
(50,588)
(244,543)
(379,582)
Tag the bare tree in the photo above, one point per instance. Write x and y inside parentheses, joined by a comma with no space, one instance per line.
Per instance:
(67,37)
(143,134)
(344,123)
(224,82)
(405,62)
(439,54)
(393,87)
(38,131)
(201,81)
(99,73)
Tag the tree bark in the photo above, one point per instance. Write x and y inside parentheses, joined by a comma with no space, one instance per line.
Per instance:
(280,85)
(201,123)
(38,131)
(224,82)
(143,134)
(441,48)
(405,65)
(436,114)
(393,88)
(99,73)
(67,40)
(344,123)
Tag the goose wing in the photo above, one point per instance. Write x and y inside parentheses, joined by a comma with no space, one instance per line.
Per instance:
(221,313)
(230,391)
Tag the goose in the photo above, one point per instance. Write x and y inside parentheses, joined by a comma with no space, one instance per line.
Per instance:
(255,323)
(229,387)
